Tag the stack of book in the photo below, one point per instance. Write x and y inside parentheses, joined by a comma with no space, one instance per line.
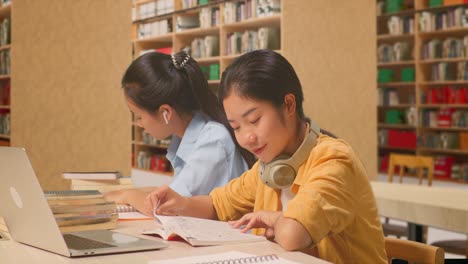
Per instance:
(82,210)
(100,181)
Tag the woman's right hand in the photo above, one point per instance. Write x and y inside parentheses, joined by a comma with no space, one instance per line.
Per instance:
(166,202)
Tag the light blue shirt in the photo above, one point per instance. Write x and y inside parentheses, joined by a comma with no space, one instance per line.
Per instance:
(206,157)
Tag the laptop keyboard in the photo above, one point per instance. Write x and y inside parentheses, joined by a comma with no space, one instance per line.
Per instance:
(81,243)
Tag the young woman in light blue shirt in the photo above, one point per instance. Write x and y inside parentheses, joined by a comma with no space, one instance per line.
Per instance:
(169,96)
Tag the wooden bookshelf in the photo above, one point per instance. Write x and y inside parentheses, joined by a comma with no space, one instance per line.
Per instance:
(178,39)
(5,108)
(424,81)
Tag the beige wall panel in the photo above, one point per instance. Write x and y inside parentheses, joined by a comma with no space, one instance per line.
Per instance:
(332,45)
(68,109)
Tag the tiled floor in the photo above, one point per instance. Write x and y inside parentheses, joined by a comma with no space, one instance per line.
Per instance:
(434,234)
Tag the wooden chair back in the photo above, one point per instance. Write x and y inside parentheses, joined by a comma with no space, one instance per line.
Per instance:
(412,251)
(411,162)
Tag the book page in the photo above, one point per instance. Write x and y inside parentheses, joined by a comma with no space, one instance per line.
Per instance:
(232,256)
(203,232)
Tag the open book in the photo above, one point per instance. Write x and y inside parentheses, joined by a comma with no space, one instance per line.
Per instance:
(200,232)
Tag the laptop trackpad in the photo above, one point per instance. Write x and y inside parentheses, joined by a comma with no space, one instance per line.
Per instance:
(106,239)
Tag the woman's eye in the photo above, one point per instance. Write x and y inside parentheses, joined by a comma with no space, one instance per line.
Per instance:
(255,121)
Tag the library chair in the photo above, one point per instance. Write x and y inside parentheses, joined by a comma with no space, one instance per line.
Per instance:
(412,162)
(459,247)
(412,251)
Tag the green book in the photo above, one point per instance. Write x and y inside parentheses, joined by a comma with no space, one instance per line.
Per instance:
(407,74)
(393,117)
(214,72)
(435,3)
(385,75)
(394,6)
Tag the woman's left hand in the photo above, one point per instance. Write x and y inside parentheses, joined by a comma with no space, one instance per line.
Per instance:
(260,219)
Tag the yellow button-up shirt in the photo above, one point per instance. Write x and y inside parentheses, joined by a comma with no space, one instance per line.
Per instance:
(333,201)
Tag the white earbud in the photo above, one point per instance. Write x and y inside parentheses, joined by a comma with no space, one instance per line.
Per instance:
(165,117)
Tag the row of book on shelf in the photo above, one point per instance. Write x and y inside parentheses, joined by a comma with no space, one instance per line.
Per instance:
(5,62)
(445,95)
(445,19)
(449,71)
(398,51)
(249,40)
(152,9)
(5,92)
(445,48)
(397,25)
(430,118)
(5,122)
(408,139)
(391,97)
(151,161)
(444,118)
(406,74)
(5,32)
(445,167)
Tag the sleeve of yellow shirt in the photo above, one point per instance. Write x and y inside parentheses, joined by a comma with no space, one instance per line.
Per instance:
(236,198)
(324,201)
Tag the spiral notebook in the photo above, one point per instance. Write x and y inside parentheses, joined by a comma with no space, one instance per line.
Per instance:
(128,212)
(227,258)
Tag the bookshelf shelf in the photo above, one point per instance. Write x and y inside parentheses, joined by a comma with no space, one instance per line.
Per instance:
(459,129)
(5,47)
(444,106)
(396,106)
(398,149)
(409,12)
(388,37)
(4,107)
(154,18)
(154,39)
(253,23)
(197,32)
(458,31)
(4,77)
(445,151)
(212,82)
(4,136)
(444,60)
(448,82)
(208,59)
(397,84)
(395,126)
(139,143)
(396,63)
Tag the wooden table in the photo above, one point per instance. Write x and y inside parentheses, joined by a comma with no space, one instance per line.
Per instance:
(445,208)
(13,252)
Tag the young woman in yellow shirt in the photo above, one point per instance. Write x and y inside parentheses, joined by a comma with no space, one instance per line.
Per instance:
(308,191)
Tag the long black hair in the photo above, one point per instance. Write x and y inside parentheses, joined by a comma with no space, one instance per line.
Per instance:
(264,75)
(153,80)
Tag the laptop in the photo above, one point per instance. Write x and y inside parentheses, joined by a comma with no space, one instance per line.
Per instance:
(30,219)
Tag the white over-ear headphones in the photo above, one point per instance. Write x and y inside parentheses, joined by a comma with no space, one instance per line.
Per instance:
(281,172)
(165,117)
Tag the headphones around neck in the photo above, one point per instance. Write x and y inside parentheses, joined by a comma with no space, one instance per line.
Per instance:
(281,172)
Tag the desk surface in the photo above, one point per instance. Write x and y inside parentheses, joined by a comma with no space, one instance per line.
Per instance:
(13,252)
(445,208)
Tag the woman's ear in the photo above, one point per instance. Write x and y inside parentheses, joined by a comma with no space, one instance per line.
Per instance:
(290,104)
(165,111)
